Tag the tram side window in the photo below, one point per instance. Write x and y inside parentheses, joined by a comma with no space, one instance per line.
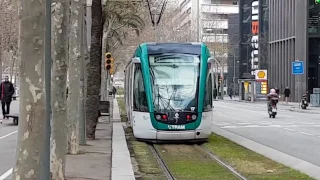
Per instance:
(139,94)
(207,105)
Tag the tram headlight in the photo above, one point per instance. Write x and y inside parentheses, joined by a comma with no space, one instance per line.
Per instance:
(194,117)
(158,117)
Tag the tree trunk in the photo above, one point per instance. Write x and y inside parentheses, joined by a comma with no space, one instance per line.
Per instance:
(74,77)
(94,70)
(60,20)
(32,98)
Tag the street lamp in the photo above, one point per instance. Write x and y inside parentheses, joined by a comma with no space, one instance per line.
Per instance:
(234,74)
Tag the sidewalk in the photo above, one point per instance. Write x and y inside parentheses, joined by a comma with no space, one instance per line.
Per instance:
(291,106)
(309,110)
(107,157)
(94,162)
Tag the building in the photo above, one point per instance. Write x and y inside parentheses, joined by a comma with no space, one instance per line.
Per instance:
(233,53)
(253,47)
(206,21)
(294,35)
(210,25)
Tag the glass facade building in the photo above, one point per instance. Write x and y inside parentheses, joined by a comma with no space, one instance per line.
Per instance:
(294,34)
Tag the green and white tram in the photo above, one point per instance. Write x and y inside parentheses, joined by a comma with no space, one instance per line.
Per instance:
(168,92)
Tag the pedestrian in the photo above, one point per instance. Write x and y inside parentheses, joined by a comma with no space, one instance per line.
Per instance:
(114,91)
(287,94)
(7,91)
(230,92)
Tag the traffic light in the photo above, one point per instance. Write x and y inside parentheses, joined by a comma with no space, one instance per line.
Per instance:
(317,1)
(109,63)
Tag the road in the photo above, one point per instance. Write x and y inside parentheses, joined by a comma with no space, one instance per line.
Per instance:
(8,143)
(293,133)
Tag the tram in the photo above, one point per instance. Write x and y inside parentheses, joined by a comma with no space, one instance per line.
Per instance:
(168,92)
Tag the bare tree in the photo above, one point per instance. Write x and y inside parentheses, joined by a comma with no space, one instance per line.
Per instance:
(32,101)
(8,31)
(120,18)
(60,22)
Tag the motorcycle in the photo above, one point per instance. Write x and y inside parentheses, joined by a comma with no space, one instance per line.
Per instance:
(272,110)
(304,103)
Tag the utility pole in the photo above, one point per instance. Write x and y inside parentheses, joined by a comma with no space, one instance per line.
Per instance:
(234,74)
(198,20)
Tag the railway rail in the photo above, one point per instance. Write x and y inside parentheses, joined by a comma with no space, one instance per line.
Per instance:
(214,157)
(163,165)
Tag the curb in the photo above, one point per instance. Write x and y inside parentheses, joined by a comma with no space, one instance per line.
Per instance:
(303,111)
(241,101)
(280,157)
(121,159)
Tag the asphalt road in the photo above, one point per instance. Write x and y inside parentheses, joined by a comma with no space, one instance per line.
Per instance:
(8,143)
(293,133)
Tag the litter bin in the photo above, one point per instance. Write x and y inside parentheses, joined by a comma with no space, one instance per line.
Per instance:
(104,107)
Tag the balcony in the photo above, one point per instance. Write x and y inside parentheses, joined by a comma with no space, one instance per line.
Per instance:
(219,8)
(211,37)
(219,23)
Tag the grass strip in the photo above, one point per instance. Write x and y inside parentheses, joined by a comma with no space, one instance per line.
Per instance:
(122,109)
(188,162)
(120,91)
(250,164)
(148,167)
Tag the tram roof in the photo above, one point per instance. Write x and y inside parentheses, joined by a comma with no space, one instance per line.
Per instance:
(184,48)
(154,48)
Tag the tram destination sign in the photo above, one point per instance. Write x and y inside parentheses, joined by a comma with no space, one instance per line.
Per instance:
(176,127)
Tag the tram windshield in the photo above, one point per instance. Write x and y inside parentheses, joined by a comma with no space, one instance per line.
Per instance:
(174,79)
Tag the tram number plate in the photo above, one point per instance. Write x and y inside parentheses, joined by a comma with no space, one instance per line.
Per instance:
(176,127)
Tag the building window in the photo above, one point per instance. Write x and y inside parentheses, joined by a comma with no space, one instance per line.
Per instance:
(215,30)
(215,1)
(235,2)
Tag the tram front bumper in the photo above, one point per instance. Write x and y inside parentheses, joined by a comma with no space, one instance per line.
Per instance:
(179,135)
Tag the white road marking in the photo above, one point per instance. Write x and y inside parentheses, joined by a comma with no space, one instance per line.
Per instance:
(289,129)
(307,123)
(223,124)
(265,113)
(243,123)
(8,135)
(306,133)
(247,126)
(6,174)
(275,126)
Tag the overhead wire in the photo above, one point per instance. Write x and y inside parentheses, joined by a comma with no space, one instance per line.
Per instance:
(160,15)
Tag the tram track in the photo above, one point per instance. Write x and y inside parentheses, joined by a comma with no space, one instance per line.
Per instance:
(225,165)
(161,162)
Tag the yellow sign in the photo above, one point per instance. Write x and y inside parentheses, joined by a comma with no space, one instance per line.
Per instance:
(246,86)
(264,87)
(261,74)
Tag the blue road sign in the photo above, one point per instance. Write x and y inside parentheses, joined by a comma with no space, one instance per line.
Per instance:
(297,67)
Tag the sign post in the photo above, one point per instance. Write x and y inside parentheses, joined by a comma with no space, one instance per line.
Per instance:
(298,69)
